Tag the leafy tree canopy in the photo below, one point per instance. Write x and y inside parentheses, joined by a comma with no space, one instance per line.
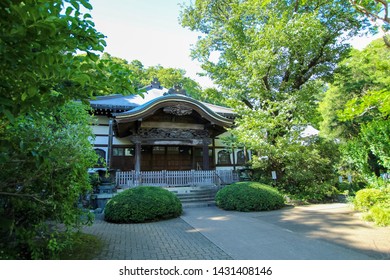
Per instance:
(48,57)
(168,77)
(360,92)
(272,54)
(356,109)
(39,65)
(377,11)
(273,60)
(43,174)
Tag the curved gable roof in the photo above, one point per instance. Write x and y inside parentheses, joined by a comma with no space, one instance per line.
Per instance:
(121,103)
(155,104)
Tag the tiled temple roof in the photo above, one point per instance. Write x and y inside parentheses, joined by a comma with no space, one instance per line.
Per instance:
(119,103)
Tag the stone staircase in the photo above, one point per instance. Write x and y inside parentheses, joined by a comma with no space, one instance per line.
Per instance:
(196,196)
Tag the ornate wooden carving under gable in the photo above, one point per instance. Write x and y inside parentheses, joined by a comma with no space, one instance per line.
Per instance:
(178,110)
(172,133)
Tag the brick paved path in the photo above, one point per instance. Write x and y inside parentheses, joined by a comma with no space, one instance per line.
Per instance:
(165,240)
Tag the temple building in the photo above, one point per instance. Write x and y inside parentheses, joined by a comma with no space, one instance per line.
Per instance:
(163,129)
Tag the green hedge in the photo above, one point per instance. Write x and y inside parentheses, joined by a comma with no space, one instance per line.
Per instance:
(142,204)
(249,196)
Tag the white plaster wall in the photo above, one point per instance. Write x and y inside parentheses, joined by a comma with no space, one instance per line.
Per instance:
(100,129)
(100,140)
(101,119)
(121,141)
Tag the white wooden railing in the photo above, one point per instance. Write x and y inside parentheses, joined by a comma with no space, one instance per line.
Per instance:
(175,178)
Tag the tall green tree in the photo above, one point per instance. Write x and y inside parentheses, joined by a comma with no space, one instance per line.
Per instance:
(170,77)
(356,108)
(139,73)
(271,53)
(376,9)
(39,67)
(360,89)
(273,60)
(139,76)
(378,12)
(49,56)
(44,175)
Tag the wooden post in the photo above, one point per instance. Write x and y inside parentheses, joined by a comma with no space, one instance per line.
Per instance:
(110,141)
(206,157)
(137,158)
(234,159)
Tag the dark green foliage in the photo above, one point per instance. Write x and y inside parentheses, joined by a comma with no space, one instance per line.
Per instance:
(48,57)
(355,110)
(249,196)
(273,60)
(43,175)
(44,38)
(349,188)
(142,204)
(168,77)
(74,246)
(305,172)
(84,247)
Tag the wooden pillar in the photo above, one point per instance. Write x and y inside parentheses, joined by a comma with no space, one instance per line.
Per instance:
(234,159)
(213,154)
(193,157)
(110,141)
(137,165)
(206,157)
(137,158)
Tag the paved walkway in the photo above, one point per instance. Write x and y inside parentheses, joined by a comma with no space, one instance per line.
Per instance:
(317,232)
(165,240)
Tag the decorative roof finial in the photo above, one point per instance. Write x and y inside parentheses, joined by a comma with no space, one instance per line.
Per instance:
(155,83)
(177,89)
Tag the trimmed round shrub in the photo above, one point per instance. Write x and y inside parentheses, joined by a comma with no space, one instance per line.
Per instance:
(249,196)
(142,204)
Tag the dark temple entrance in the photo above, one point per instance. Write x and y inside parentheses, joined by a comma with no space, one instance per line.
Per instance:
(156,158)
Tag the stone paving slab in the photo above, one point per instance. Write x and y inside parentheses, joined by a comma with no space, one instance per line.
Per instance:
(164,240)
(336,223)
(316,232)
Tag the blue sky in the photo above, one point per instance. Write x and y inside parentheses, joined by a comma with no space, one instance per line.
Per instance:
(149,30)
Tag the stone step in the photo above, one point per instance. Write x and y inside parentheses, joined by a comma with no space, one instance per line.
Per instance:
(198,204)
(195,199)
(186,190)
(203,193)
(196,196)
(200,193)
